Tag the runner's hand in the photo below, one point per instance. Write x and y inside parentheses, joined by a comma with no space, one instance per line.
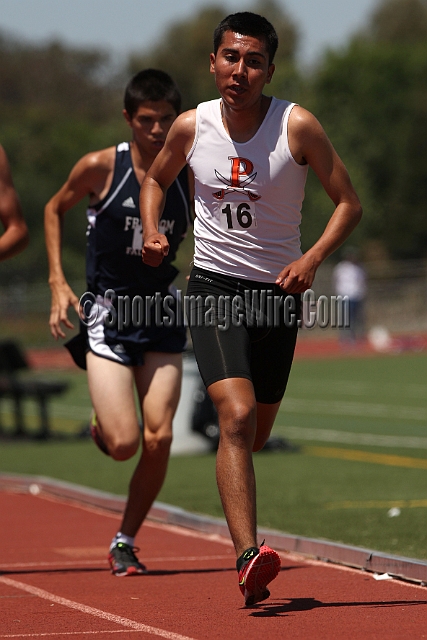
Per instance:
(298,276)
(62,298)
(155,248)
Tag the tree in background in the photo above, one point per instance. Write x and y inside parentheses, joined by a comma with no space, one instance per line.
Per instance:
(372,100)
(399,22)
(185,47)
(55,105)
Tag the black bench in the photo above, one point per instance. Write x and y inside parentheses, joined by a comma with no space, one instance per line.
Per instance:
(13,360)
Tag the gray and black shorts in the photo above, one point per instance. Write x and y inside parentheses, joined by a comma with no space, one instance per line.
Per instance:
(127,345)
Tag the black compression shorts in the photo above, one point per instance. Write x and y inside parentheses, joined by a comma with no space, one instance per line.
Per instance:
(242,329)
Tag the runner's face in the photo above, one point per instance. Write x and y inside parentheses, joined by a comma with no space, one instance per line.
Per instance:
(241,69)
(150,124)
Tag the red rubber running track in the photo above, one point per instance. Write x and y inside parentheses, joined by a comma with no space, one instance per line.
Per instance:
(54,582)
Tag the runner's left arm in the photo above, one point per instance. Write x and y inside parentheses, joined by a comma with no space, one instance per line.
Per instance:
(310,145)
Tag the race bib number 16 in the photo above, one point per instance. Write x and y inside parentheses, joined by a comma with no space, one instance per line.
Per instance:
(237,217)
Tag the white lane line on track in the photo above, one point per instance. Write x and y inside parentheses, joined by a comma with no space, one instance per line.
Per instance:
(66,633)
(354,408)
(96,561)
(190,533)
(358,388)
(172,528)
(347,437)
(104,615)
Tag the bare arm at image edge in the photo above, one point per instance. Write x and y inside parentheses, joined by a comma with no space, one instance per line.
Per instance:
(15,237)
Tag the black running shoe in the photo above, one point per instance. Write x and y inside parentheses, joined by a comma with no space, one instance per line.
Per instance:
(123,561)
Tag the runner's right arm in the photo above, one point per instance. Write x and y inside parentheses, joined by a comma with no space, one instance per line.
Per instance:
(165,168)
(89,177)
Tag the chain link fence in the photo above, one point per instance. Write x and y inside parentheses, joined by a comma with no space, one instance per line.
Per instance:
(396,296)
(396,300)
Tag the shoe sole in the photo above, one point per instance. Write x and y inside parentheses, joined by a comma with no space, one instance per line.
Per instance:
(131,571)
(262,570)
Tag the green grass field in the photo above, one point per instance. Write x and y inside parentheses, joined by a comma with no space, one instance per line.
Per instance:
(361,428)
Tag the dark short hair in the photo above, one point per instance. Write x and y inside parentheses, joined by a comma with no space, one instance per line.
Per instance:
(248,24)
(151,85)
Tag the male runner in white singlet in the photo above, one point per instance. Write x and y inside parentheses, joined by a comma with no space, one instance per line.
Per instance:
(250,155)
(118,354)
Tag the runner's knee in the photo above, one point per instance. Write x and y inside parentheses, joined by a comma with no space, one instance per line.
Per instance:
(157,443)
(237,423)
(122,447)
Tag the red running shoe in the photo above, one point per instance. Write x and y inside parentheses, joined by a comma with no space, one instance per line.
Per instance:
(258,569)
(95,435)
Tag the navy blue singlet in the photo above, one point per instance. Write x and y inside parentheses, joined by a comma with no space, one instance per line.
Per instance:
(114,235)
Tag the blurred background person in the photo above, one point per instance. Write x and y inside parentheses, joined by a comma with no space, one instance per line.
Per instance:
(349,279)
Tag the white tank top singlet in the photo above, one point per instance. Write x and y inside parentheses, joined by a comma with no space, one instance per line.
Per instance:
(248,196)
